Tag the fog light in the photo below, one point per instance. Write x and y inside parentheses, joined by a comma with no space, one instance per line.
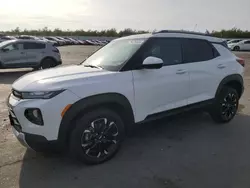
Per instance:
(34,115)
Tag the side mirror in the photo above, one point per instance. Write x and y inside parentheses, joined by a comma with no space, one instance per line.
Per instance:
(152,63)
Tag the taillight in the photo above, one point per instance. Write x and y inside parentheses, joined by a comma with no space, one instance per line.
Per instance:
(241,61)
(55,50)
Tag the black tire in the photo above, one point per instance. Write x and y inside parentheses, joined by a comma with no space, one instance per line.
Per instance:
(97,136)
(226,105)
(47,63)
(236,48)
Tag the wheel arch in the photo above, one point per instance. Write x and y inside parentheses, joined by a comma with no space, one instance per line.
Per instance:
(48,57)
(235,81)
(114,101)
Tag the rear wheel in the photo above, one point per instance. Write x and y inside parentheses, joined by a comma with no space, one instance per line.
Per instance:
(97,136)
(46,64)
(236,48)
(226,105)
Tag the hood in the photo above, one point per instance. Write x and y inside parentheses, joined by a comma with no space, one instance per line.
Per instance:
(54,75)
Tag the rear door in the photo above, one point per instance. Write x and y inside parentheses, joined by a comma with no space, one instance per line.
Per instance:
(206,69)
(34,51)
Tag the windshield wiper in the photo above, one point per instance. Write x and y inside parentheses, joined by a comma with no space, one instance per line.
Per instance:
(93,66)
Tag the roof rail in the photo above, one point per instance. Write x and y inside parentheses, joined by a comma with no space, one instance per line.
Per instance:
(181,31)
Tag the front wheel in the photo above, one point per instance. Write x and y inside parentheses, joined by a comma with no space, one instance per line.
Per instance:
(225,106)
(97,136)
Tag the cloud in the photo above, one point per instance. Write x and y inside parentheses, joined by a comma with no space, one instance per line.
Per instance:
(137,14)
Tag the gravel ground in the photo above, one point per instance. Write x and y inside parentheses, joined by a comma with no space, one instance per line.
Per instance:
(187,150)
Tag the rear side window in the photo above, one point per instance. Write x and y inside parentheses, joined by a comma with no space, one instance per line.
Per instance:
(247,42)
(195,50)
(33,45)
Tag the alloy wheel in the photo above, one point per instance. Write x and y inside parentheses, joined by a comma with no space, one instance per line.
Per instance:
(229,106)
(100,139)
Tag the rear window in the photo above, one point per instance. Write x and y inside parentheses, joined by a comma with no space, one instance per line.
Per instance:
(195,50)
(33,45)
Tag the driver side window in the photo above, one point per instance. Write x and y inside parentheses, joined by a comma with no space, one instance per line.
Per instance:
(167,49)
(11,47)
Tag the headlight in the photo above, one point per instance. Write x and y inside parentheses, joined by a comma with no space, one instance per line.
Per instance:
(37,94)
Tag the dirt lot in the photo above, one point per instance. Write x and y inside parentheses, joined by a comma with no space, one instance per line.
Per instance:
(188,150)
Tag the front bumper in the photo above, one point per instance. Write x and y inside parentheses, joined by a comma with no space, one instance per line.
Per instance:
(20,137)
(35,142)
(51,112)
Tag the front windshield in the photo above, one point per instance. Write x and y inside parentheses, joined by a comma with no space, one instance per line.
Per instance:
(4,43)
(115,54)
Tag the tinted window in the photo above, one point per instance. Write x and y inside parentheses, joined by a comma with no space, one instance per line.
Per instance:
(197,50)
(33,45)
(247,42)
(169,50)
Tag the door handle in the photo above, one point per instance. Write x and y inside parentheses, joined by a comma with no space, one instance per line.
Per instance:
(181,71)
(221,66)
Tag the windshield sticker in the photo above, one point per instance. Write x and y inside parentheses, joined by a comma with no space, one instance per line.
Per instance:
(137,41)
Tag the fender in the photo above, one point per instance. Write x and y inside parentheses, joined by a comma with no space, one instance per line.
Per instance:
(234,77)
(67,123)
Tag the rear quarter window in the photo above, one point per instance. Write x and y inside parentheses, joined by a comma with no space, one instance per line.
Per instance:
(195,50)
(33,45)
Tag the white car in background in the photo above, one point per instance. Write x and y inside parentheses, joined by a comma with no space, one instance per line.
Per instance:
(242,45)
(47,40)
(234,41)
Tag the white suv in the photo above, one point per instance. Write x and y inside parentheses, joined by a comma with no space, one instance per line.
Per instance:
(88,107)
(21,53)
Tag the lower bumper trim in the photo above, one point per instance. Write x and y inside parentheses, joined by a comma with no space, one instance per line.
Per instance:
(21,137)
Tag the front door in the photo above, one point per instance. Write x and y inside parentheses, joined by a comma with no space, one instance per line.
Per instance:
(159,90)
(13,55)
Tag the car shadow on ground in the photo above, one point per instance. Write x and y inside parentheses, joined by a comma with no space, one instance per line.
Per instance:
(8,77)
(187,150)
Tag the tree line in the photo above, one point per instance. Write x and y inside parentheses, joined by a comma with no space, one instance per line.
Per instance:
(231,33)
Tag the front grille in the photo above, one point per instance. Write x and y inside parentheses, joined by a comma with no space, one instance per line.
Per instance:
(14,121)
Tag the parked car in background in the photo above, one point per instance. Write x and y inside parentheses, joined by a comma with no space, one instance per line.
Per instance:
(23,53)
(242,45)
(81,42)
(59,42)
(89,42)
(55,42)
(234,41)
(4,38)
(67,42)
(73,40)
(27,37)
(47,40)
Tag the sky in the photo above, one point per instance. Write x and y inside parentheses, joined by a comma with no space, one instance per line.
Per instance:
(197,15)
